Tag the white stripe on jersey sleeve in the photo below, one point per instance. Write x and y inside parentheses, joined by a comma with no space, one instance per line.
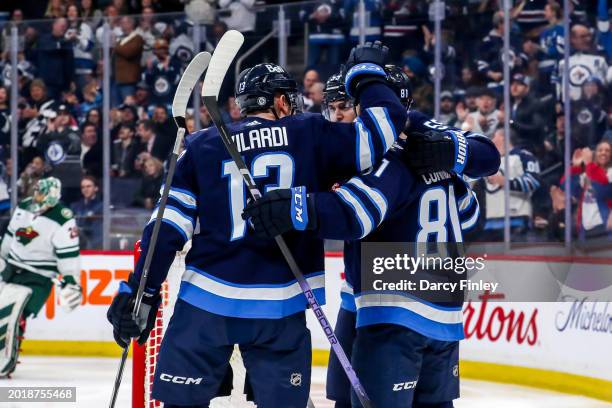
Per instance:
(184,197)
(453,214)
(173,216)
(466,201)
(364,146)
(362,215)
(383,123)
(373,194)
(470,222)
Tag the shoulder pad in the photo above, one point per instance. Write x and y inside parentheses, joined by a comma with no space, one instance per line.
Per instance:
(59,214)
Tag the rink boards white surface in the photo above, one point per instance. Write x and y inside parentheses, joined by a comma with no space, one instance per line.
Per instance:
(94,378)
(544,351)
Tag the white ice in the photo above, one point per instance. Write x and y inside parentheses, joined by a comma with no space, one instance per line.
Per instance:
(94,378)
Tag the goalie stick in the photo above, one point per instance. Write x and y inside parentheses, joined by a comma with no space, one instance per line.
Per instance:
(224,54)
(188,81)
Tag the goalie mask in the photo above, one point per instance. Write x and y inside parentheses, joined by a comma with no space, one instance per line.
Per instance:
(335,91)
(257,86)
(47,194)
(400,83)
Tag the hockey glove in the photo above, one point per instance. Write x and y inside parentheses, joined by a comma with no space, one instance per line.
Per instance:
(364,66)
(436,151)
(280,211)
(70,293)
(120,313)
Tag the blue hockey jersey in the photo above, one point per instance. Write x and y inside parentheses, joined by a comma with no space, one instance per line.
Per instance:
(479,146)
(228,272)
(391,204)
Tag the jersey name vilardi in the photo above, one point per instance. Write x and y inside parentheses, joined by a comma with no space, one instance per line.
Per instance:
(261,138)
(228,271)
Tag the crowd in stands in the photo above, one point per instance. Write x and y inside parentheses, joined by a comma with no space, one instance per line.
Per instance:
(472,97)
(60,81)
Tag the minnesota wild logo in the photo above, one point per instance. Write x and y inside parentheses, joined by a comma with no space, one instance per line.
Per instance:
(26,235)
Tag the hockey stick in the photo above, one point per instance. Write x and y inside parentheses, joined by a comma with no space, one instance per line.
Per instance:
(188,81)
(224,54)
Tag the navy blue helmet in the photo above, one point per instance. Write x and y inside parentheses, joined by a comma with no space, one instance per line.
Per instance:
(257,86)
(401,83)
(335,91)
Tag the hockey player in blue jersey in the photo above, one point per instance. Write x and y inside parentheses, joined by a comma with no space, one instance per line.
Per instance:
(430,150)
(238,289)
(405,353)
(360,205)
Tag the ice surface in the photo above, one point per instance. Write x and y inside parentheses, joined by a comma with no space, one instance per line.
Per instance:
(94,377)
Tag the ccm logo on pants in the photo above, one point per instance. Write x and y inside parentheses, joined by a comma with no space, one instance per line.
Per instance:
(408,385)
(179,380)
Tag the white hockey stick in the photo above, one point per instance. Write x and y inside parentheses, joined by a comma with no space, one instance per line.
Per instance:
(222,58)
(188,81)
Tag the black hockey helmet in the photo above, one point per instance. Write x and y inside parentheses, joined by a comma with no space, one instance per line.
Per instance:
(334,91)
(401,83)
(257,86)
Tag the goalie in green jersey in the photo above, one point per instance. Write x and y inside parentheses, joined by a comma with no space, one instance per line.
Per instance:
(39,248)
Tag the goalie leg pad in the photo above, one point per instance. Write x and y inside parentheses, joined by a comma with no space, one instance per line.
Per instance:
(39,285)
(13,300)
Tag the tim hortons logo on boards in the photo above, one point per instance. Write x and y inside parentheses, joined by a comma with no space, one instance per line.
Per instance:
(483,321)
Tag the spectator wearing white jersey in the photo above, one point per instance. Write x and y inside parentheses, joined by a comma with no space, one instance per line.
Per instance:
(524,181)
(585,62)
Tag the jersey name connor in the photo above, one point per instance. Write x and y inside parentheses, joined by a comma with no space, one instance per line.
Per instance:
(261,138)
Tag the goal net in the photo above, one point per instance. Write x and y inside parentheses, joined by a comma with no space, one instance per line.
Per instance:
(145,357)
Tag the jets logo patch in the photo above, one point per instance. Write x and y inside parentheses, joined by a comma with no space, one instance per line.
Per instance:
(26,235)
